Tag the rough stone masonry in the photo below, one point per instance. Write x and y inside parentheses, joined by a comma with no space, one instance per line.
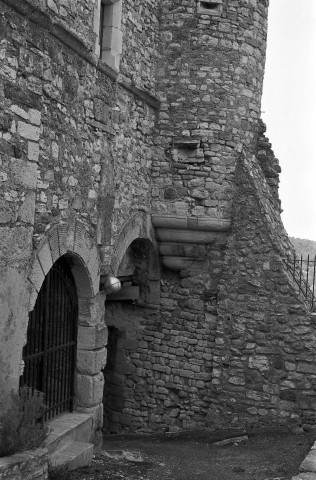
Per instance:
(152,167)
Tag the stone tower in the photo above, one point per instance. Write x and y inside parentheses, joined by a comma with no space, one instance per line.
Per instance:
(210,76)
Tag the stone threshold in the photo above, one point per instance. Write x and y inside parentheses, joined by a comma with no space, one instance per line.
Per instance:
(69,443)
(69,427)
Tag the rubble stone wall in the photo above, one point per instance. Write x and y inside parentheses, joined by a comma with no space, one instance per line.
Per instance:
(264,355)
(91,153)
(159,370)
(75,155)
(140,28)
(210,92)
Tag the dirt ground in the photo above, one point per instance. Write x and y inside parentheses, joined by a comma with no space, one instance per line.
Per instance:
(263,456)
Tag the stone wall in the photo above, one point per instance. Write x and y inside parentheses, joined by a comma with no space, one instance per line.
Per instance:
(170,150)
(264,355)
(210,92)
(140,29)
(158,375)
(25,466)
(75,149)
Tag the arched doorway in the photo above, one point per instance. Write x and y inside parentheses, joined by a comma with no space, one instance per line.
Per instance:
(130,315)
(50,350)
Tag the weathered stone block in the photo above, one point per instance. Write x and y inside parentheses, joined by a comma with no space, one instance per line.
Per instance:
(32,151)
(259,362)
(45,258)
(89,390)
(91,362)
(21,96)
(26,211)
(24,173)
(306,367)
(35,116)
(97,411)
(194,304)
(288,394)
(16,244)
(19,111)
(82,243)
(54,244)
(92,338)
(66,235)
(94,264)
(30,132)
(305,476)
(309,464)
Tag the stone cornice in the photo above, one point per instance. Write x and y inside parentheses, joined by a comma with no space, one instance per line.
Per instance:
(138,92)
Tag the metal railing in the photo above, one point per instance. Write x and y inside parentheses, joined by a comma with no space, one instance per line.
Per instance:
(303,270)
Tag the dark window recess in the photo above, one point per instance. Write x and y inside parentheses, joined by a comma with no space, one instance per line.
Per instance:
(101,25)
(113,337)
(210,6)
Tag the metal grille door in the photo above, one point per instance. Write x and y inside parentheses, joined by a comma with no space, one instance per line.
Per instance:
(50,351)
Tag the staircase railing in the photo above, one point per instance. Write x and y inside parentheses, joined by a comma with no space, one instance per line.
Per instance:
(303,271)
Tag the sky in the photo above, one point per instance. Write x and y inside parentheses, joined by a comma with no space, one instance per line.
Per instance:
(289,109)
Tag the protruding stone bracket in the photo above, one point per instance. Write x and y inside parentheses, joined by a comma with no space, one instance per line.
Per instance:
(183,241)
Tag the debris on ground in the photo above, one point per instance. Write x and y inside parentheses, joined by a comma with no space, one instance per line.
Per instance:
(263,456)
(233,440)
(129,456)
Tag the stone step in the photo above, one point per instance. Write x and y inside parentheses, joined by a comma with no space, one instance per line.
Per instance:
(76,427)
(73,455)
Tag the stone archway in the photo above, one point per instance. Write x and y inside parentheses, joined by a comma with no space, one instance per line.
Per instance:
(74,241)
(138,226)
(127,314)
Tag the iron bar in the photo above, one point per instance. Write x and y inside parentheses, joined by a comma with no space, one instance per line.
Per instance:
(50,351)
(303,272)
(313,284)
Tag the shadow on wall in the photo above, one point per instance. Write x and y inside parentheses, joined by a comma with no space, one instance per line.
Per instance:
(127,315)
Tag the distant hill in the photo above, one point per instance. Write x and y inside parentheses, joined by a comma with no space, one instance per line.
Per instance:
(304,247)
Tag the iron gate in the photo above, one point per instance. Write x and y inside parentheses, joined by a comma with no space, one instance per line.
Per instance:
(50,351)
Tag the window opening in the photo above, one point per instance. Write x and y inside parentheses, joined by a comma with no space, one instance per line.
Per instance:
(109,33)
(210,7)
(101,23)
